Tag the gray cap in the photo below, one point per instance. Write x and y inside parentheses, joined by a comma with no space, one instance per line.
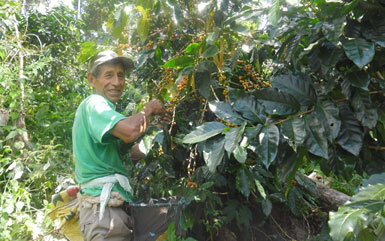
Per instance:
(109,55)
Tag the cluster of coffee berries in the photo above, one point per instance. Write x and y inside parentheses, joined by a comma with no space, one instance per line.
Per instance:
(183,83)
(191,184)
(226,94)
(251,79)
(221,77)
(149,45)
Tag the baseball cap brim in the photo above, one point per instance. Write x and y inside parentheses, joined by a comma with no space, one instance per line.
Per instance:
(109,56)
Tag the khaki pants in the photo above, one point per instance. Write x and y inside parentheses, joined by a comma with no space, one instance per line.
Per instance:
(116,224)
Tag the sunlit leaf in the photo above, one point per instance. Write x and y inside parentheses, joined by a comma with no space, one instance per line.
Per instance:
(355,215)
(374,179)
(213,152)
(192,48)
(240,153)
(176,12)
(273,14)
(224,111)
(143,26)
(88,50)
(204,132)
(233,137)
(260,189)
(179,62)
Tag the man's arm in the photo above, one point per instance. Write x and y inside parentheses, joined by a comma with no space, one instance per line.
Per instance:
(132,127)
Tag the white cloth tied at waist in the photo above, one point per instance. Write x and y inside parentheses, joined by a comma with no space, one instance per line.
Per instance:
(107,183)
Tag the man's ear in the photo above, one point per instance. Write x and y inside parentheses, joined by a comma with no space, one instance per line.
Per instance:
(91,79)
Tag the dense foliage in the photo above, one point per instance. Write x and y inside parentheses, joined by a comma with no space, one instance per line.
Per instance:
(257,94)
(38,77)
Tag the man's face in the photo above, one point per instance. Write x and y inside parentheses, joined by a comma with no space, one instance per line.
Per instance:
(110,82)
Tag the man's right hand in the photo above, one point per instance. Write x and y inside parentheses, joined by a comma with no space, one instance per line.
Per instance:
(156,106)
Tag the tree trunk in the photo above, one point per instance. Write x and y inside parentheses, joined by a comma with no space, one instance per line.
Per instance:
(327,195)
(20,121)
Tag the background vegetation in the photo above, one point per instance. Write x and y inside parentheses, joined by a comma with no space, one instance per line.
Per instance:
(261,95)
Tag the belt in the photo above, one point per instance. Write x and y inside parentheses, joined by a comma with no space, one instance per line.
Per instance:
(107,183)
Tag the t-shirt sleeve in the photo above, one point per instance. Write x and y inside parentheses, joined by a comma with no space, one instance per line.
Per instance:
(101,118)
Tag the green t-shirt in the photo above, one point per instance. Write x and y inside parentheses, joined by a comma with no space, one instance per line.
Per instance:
(96,151)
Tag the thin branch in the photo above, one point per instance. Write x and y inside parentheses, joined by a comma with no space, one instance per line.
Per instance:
(377,148)
(41,45)
(261,231)
(377,92)
(281,229)
(379,75)
(215,95)
(298,115)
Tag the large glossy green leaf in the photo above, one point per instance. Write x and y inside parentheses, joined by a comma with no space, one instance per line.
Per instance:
(176,12)
(243,181)
(277,103)
(210,51)
(299,86)
(204,132)
(328,57)
(179,62)
(363,109)
(355,215)
(315,140)
(294,129)
(211,38)
(233,137)
(359,50)
(89,50)
(359,79)
(224,111)
(351,220)
(246,104)
(268,139)
(350,137)
(203,77)
(375,32)
(334,29)
(213,151)
(374,179)
(328,114)
(119,23)
(240,153)
(143,27)
(273,14)
(192,48)
(369,192)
